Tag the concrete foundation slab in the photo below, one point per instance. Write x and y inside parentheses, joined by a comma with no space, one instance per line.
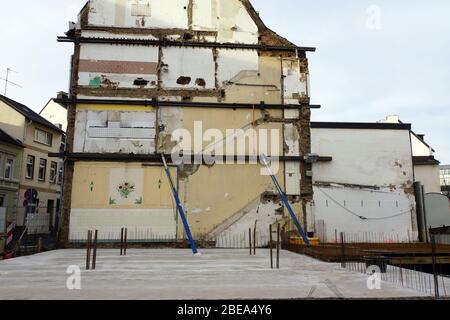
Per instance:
(177,274)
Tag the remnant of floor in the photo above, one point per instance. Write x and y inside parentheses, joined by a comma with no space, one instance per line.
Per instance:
(177,274)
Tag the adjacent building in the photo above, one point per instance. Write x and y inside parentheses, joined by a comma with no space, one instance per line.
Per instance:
(445,179)
(367,189)
(426,167)
(39,193)
(55,112)
(11,155)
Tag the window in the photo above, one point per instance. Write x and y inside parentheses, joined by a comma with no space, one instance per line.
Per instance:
(2,157)
(2,200)
(9,168)
(30,167)
(60,174)
(53,171)
(43,137)
(42,169)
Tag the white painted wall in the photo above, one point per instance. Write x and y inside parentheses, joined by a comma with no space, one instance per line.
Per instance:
(378,159)
(105,53)
(115,132)
(359,155)
(119,13)
(295,84)
(387,212)
(429,176)
(234,63)
(419,148)
(229,18)
(56,114)
(292,140)
(145,224)
(261,215)
(196,63)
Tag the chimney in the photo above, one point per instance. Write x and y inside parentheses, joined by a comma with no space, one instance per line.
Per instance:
(421,137)
(62,95)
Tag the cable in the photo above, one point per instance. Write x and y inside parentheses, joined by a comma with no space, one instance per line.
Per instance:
(359,216)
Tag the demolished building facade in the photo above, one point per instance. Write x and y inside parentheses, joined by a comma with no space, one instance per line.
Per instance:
(142,70)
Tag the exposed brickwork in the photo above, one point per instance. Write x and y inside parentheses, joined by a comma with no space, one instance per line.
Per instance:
(63,236)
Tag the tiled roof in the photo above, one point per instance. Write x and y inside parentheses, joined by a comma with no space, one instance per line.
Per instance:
(28,113)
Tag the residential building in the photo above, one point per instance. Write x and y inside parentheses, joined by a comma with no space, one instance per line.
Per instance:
(426,167)
(367,188)
(40,188)
(11,155)
(445,179)
(144,70)
(55,112)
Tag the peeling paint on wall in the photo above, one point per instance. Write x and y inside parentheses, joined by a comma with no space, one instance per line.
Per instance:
(117,132)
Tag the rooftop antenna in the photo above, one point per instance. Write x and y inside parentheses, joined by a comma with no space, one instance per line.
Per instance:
(7,81)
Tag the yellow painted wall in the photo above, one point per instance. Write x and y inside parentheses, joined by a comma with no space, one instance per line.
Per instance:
(155,197)
(11,121)
(219,192)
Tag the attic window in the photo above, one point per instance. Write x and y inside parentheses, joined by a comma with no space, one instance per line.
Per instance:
(141,9)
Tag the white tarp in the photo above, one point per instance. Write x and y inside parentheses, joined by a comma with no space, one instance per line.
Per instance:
(38,223)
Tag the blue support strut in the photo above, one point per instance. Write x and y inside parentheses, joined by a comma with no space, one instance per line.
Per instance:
(286,203)
(180,208)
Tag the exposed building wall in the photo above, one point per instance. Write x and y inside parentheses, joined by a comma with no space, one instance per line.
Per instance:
(425,166)
(213,195)
(368,187)
(428,175)
(110,196)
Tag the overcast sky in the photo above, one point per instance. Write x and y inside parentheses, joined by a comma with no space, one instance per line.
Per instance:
(374,58)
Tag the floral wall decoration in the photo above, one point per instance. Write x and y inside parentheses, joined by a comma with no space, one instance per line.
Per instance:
(126,187)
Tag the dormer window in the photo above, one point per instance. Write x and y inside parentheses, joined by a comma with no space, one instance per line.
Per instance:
(43,137)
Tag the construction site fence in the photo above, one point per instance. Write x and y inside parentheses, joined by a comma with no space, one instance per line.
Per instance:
(423,267)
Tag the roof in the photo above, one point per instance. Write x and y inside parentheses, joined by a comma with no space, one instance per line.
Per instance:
(4,137)
(55,100)
(28,113)
(424,161)
(445,167)
(361,125)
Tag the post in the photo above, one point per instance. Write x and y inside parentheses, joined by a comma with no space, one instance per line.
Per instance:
(254,241)
(343,264)
(278,246)
(121,241)
(250,239)
(94,258)
(40,245)
(270,246)
(88,250)
(433,255)
(125,242)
